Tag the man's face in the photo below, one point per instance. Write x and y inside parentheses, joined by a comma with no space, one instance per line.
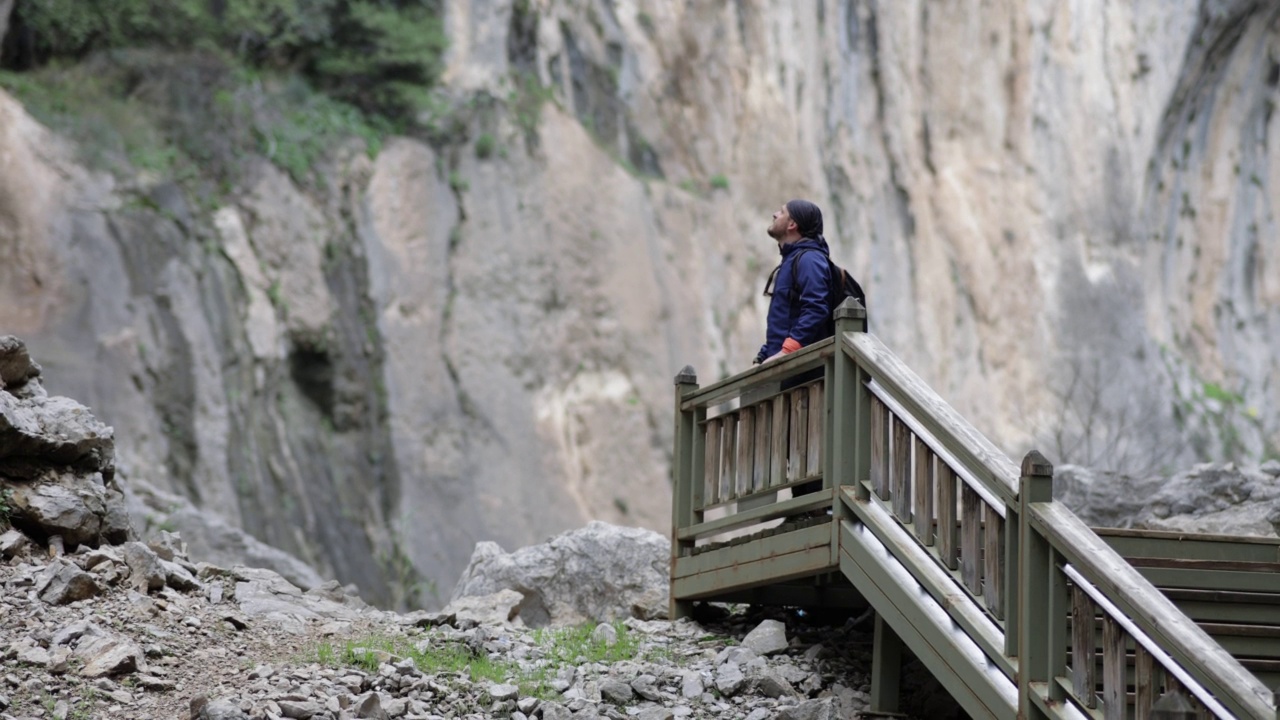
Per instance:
(781,224)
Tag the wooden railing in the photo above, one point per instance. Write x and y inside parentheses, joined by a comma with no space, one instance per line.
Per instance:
(909,483)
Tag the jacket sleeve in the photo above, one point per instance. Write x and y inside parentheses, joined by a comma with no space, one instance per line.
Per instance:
(812,281)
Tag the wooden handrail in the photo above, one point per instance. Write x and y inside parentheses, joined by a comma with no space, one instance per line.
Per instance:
(991,466)
(731,387)
(1151,611)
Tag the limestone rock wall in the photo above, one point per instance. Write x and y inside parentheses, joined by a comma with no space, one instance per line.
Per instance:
(1061,212)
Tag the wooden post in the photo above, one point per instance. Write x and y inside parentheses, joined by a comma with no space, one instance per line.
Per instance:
(886,668)
(682,481)
(1035,619)
(854,398)
(1173,706)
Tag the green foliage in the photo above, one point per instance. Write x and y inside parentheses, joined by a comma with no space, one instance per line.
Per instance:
(182,116)
(380,55)
(433,654)
(458,183)
(484,146)
(6,507)
(719,182)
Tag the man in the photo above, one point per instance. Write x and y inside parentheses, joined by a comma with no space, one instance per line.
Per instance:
(797,288)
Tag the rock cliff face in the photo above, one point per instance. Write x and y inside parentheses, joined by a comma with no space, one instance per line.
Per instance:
(1062,213)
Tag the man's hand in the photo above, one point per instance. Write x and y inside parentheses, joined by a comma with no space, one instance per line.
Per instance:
(775,356)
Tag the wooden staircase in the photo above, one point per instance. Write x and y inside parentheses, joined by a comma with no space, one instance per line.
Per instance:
(966,559)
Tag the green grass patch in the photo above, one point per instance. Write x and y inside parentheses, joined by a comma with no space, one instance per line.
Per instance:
(555,648)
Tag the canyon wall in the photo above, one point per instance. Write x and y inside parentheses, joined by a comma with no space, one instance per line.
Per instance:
(1062,213)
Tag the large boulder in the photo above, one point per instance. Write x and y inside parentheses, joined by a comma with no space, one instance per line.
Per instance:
(1209,498)
(599,573)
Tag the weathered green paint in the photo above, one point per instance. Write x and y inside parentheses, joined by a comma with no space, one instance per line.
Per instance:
(812,501)
(886,668)
(784,543)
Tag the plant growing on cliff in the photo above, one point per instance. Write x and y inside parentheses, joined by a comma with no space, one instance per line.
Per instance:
(380,55)
(6,507)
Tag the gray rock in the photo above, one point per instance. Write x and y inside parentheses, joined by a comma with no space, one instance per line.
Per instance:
(498,608)
(299,709)
(555,711)
(771,685)
(177,577)
(646,687)
(15,544)
(820,709)
(145,571)
(655,713)
(691,685)
(618,693)
(501,692)
(596,573)
(16,365)
(62,582)
(605,634)
(202,709)
(63,504)
(769,637)
(108,655)
(369,707)
(58,431)
(729,679)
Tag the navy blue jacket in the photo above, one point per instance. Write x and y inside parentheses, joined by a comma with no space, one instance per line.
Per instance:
(798,308)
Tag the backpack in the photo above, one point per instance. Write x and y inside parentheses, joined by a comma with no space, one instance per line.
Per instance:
(841,287)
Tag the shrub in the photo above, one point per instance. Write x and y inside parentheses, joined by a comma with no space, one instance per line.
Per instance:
(380,55)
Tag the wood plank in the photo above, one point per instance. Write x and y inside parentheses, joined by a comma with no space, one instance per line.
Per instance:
(757,549)
(1197,546)
(970,539)
(1083,670)
(879,448)
(760,465)
(711,463)
(746,451)
(1196,579)
(1114,692)
(778,450)
(947,550)
(797,456)
(993,560)
(817,412)
(812,501)
(1146,685)
(772,569)
(902,441)
(1191,564)
(729,457)
(922,493)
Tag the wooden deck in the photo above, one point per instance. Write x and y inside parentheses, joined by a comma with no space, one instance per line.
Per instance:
(1018,608)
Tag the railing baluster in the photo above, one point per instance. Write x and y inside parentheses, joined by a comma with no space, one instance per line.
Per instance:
(711,464)
(902,439)
(1084,672)
(1114,691)
(816,413)
(1146,682)
(993,560)
(970,538)
(746,450)
(799,434)
(764,425)
(778,453)
(879,448)
(923,493)
(729,457)
(947,515)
